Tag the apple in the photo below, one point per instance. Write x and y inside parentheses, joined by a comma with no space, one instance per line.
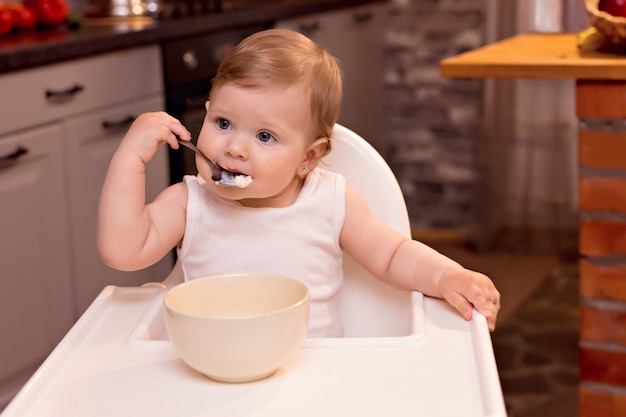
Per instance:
(613,7)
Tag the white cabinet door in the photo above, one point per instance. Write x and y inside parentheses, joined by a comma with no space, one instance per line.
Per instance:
(36,300)
(90,142)
(356,37)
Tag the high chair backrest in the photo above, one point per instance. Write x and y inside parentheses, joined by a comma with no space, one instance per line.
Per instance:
(366,171)
(370,307)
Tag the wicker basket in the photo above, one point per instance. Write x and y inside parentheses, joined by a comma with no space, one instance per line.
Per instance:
(612,27)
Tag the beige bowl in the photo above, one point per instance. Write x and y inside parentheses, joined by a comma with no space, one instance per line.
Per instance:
(239,327)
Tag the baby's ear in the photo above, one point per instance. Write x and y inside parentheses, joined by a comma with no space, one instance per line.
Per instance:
(313,154)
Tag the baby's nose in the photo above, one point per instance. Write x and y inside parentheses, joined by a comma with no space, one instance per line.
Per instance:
(237,147)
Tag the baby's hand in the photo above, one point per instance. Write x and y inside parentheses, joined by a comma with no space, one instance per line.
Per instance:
(465,289)
(149,132)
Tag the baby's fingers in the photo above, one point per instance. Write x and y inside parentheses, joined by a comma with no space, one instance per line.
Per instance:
(465,289)
(462,305)
(486,307)
(488,304)
(174,129)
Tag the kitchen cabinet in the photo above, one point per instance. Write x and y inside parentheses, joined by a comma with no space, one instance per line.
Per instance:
(36,303)
(355,36)
(90,142)
(55,146)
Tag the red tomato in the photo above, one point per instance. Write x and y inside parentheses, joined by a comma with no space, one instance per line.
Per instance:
(6,20)
(23,17)
(49,12)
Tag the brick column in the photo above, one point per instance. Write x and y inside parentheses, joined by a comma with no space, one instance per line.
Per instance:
(601,109)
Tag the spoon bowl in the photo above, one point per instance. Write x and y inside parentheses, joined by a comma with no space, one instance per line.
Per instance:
(219,175)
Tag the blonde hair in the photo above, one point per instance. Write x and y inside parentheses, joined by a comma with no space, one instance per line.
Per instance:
(285,57)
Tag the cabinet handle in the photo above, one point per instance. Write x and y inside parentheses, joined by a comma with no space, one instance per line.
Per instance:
(362,17)
(118,124)
(64,95)
(309,28)
(10,159)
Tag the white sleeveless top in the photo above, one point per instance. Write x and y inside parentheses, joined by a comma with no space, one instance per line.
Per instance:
(300,241)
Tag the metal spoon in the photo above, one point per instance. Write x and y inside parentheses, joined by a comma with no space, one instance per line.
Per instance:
(217,171)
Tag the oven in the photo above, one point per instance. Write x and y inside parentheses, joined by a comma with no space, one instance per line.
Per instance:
(189,66)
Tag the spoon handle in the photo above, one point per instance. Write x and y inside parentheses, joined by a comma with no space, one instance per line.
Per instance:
(217,171)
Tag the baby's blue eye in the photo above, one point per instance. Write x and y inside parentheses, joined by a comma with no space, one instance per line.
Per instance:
(223,124)
(265,137)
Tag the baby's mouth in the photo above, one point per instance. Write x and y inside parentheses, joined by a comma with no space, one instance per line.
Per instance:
(232,179)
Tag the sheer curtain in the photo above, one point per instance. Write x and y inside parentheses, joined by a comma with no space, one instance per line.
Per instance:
(528,150)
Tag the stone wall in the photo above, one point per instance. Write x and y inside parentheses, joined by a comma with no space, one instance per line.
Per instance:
(433,123)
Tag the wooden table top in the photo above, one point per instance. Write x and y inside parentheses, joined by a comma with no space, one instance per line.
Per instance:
(554,55)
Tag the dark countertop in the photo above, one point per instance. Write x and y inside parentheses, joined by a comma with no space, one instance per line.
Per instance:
(27,50)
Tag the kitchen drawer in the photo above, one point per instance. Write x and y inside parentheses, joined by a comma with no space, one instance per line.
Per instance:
(44,94)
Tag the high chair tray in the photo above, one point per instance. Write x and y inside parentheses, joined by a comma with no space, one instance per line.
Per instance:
(117,361)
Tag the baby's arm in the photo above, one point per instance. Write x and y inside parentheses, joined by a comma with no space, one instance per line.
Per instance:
(411,265)
(132,234)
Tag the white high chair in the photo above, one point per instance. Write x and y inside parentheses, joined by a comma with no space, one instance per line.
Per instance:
(442,357)
(369,307)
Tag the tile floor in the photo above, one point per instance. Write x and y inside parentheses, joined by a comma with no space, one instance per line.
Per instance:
(536,339)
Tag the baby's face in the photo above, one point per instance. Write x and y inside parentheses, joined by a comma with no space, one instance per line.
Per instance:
(259,132)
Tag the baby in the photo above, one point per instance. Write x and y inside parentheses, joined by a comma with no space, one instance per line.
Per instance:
(270,118)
